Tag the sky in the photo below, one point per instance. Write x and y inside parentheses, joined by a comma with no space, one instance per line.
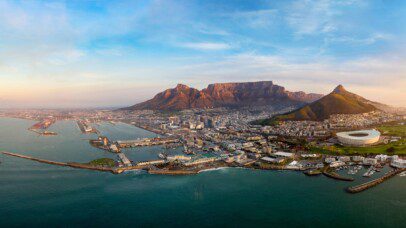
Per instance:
(118,53)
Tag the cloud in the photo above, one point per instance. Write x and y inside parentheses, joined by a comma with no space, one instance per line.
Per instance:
(308,17)
(361,41)
(256,18)
(207,46)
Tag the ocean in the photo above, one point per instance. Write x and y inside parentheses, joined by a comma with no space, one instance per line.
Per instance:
(34,194)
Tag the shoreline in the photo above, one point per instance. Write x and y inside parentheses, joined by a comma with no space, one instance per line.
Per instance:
(178,172)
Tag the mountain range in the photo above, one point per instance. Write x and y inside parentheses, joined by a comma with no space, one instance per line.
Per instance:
(234,95)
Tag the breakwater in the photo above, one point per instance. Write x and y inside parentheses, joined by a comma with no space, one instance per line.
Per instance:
(172,172)
(66,164)
(373,183)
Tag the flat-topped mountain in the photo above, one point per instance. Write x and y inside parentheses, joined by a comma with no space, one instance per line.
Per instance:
(225,95)
(339,101)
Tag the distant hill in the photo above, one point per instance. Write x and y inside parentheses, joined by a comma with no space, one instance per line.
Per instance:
(225,95)
(340,101)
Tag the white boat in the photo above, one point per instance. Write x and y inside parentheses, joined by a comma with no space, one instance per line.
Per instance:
(161,155)
(403,174)
(369,172)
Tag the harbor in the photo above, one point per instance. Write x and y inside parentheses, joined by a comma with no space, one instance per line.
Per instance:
(373,183)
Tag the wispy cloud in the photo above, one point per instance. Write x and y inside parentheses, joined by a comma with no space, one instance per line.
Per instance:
(255,18)
(207,46)
(361,41)
(310,17)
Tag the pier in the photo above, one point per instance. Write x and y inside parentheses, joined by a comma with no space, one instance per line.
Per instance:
(85,128)
(370,184)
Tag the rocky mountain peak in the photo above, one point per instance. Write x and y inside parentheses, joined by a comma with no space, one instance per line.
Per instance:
(339,89)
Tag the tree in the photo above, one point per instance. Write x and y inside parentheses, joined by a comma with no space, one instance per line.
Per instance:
(390,149)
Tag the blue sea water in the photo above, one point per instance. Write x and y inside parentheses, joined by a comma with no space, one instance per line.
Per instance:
(34,194)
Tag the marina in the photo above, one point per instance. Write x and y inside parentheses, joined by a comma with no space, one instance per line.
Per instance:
(373,183)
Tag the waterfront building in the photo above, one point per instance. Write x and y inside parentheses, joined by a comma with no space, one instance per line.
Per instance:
(382,157)
(399,163)
(357,158)
(370,161)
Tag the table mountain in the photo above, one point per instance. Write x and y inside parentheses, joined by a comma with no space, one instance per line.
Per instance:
(225,95)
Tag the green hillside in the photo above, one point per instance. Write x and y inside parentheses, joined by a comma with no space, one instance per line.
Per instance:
(339,101)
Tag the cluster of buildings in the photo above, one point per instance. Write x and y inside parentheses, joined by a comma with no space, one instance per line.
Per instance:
(229,136)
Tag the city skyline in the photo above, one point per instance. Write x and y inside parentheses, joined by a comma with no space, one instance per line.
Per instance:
(100,54)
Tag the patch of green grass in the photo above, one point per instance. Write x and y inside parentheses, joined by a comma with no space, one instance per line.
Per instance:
(105,162)
(396,148)
(393,130)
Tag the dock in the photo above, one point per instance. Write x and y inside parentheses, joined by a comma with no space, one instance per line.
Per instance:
(85,128)
(373,183)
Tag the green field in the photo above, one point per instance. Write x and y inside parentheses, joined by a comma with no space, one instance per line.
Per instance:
(390,148)
(105,162)
(393,130)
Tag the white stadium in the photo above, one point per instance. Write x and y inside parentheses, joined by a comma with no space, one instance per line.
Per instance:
(359,138)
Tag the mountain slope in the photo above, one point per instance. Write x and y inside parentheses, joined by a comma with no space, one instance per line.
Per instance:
(339,101)
(225,95)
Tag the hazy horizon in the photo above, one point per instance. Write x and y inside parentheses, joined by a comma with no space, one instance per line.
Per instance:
(75,54)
